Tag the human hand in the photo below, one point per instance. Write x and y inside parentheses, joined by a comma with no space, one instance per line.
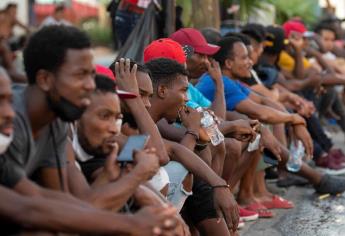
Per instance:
(271,143)
(111,171)
(301,133)
(125,77)
(214,70)
(154,221)
(147,163)
(245,130)
(306,109)
(203,136)
(296,41)
(227,207)
(146,197)
(190,119)
(182,227)
(298,120)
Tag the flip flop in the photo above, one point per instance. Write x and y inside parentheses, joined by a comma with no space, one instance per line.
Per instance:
(260,209)
(278,202)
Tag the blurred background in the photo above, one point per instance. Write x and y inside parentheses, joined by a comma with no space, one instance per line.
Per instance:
(95,17)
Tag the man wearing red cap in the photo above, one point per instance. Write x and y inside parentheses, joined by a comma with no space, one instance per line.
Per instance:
(197,64)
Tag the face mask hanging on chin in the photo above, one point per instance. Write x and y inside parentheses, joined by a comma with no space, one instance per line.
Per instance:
(5,141)
(65,110)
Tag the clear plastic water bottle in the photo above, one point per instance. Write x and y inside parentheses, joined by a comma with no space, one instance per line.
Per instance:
(211,127)
(296,157)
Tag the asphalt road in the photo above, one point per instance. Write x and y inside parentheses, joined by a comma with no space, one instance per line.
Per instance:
(310,217)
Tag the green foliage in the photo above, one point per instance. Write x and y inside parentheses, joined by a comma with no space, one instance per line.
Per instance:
(187,11)
(308,10)
(100,36)
(247,6)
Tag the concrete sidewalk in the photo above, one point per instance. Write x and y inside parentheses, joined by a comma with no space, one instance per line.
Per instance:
(310,217)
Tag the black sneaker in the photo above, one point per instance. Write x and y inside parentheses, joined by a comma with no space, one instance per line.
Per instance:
(331,184)
(292,180)
(271,173)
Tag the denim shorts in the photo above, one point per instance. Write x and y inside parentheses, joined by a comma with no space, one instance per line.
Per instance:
(177,195)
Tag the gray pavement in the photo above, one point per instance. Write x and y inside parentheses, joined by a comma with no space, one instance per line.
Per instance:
(310,217)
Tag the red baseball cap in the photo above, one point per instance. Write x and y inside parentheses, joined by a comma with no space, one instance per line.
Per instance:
(164,48)
(102,70)
(293,25)
(193,38)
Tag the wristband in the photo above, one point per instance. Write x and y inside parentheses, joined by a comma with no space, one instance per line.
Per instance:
(221,186)
(193,133)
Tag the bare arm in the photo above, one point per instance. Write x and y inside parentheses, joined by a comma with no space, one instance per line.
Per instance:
(60,216)
(21,25)
(267,114)
(127,80)
(296,43)
(28,188)
(234,115)
(266,101)
(298,70)
(294,84)
(193,163)
(6,55)
(111,195)
(218,104)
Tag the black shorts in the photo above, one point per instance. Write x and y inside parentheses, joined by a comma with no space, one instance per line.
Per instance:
(200,205)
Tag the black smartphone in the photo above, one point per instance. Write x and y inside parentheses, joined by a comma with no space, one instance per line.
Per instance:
(270,158)
(135,142)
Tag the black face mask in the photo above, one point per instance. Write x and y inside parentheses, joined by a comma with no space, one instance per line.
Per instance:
(64,109)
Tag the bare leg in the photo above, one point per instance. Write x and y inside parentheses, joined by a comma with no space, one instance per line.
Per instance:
(218,157)
(246,192)
(232,160)
(211,227)
(310,174)
(205,155)
(260,190)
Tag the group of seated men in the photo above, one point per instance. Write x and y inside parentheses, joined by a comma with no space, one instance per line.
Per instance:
(266,89)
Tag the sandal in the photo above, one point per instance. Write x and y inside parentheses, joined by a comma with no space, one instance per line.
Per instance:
(260,209)
(278,202)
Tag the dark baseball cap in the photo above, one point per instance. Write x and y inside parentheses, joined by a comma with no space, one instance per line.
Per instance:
(275,39)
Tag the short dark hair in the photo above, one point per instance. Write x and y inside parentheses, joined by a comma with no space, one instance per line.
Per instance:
(165,71)
(325,26)
(211,35)
(47,48)
(244,38)
(59,8)
(11,5)
(255,31)
(226,49)
(105,84)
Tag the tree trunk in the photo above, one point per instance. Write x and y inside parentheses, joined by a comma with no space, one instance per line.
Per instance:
(205,14)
